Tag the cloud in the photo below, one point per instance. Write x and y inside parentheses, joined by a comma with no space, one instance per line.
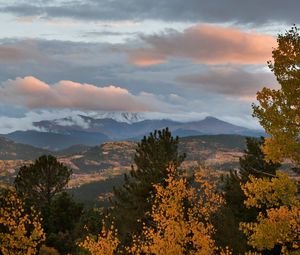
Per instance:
(15,52)
(255,11)
(33,93)
(205,44)
(230,81)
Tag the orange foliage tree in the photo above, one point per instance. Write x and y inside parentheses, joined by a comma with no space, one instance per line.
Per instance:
(20,232)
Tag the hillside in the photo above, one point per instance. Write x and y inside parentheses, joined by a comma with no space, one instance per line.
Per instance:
(97,169)
(10,150)
(57,141)
(220,151)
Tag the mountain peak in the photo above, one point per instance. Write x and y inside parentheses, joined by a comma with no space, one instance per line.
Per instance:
(210,118)
(127,117)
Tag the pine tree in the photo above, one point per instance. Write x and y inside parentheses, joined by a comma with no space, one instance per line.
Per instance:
(40,181)
(133,200)
(254,163)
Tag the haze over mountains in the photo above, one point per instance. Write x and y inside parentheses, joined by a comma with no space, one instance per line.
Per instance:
(62,133)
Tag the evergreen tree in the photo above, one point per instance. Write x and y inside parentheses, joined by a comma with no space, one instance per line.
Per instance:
(40,181)
(41,184)
(64,215)
(234,211)
(133,200)
(254,163)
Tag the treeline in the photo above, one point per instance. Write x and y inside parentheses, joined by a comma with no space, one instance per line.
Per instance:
(162,209)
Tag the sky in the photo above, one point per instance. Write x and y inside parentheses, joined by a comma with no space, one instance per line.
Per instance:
(182,60)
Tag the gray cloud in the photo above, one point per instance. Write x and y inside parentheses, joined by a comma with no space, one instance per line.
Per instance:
(19,51)
(255,11)
(230,80)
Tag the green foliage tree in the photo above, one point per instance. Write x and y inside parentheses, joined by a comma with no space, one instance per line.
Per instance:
(234,211)
(254,163)
(278,111)
(62,222)
(40,181)
(41,184)
(134,199)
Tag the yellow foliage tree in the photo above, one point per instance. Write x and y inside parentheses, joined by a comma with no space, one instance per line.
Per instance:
(20,232)
(106,242)
(180,224)
(181,218)
(280,224)
(279,110)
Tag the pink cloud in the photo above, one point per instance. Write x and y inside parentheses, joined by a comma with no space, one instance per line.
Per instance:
(205,44)
(33,93)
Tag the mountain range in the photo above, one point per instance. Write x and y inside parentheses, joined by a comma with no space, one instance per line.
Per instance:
(62,133)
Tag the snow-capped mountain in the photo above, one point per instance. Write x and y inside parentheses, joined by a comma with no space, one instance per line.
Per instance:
(127,117)
(87,130)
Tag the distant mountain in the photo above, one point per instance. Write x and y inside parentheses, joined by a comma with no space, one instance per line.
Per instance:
(10,150)
(57,141)
(111,128)
(214,126)
(62,133)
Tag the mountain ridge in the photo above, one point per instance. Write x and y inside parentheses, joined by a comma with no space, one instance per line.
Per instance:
(62,133)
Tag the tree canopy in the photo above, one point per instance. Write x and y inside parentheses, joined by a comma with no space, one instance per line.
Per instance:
(278,111)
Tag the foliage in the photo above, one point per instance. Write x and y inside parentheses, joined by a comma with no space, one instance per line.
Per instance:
(20,232)
(134,199)
(254,163)
(280,224)
(181,218)
(234,211)
(40,181)
(106,242)
(279,110)
(44,250)
(61,223)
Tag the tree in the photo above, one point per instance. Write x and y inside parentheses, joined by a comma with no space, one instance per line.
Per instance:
(105,243)
(279,110)
(134,199)
(40,184)
(60,226)
(279,225)
(234,211)
(254,163)
(40,181)
(20,231)
(181,216)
